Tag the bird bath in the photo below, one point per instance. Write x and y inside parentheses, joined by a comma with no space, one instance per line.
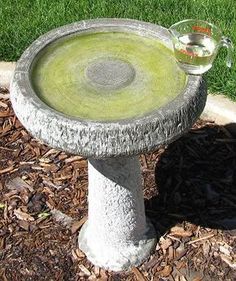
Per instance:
(108,89)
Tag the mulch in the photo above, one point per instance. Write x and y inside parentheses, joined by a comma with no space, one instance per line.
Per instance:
(190,196)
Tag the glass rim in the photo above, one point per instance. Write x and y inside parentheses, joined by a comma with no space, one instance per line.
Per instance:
(196,20)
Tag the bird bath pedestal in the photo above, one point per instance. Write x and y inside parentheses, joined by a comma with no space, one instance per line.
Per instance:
(108,89)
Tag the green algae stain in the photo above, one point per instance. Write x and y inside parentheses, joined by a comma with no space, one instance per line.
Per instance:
(58,76)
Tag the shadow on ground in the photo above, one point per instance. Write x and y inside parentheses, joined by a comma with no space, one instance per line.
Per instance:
(196,181)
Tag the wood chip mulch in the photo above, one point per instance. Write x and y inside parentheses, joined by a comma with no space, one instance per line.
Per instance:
(190,196)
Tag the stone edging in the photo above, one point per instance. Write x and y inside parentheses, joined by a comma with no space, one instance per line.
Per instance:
(218,108)
(6,73)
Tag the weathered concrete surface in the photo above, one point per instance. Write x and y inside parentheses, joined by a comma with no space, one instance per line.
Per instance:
(220,109)
(110,74)
(6,73)
(116,235)
(104,139)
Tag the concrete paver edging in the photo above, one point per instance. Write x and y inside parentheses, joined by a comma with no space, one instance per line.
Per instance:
(218,108)
(6,73)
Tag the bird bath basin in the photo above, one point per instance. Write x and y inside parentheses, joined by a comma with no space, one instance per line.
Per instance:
(108,89)
(122,77)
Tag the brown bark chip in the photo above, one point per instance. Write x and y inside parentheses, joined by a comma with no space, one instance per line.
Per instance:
(190,197)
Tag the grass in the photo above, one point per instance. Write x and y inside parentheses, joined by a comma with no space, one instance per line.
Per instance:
(22,21)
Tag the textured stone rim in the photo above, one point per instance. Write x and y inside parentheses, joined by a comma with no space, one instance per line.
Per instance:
(103,139)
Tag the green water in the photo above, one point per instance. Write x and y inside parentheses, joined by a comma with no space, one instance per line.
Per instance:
(58,76)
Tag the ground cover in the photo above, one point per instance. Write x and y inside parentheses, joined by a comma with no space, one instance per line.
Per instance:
(190,196)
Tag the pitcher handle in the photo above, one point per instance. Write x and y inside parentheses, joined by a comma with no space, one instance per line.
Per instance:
(226,42)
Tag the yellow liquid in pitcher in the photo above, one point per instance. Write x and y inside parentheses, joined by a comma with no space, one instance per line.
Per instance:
(195,52)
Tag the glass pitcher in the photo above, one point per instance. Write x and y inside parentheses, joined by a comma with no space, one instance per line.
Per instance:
(196,44)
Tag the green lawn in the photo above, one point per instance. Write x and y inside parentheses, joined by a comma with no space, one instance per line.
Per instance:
(22,21)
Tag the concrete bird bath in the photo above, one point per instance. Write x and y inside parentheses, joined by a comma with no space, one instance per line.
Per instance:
(108,89)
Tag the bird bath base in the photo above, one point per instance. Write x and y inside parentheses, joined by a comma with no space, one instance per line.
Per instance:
(117,235)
